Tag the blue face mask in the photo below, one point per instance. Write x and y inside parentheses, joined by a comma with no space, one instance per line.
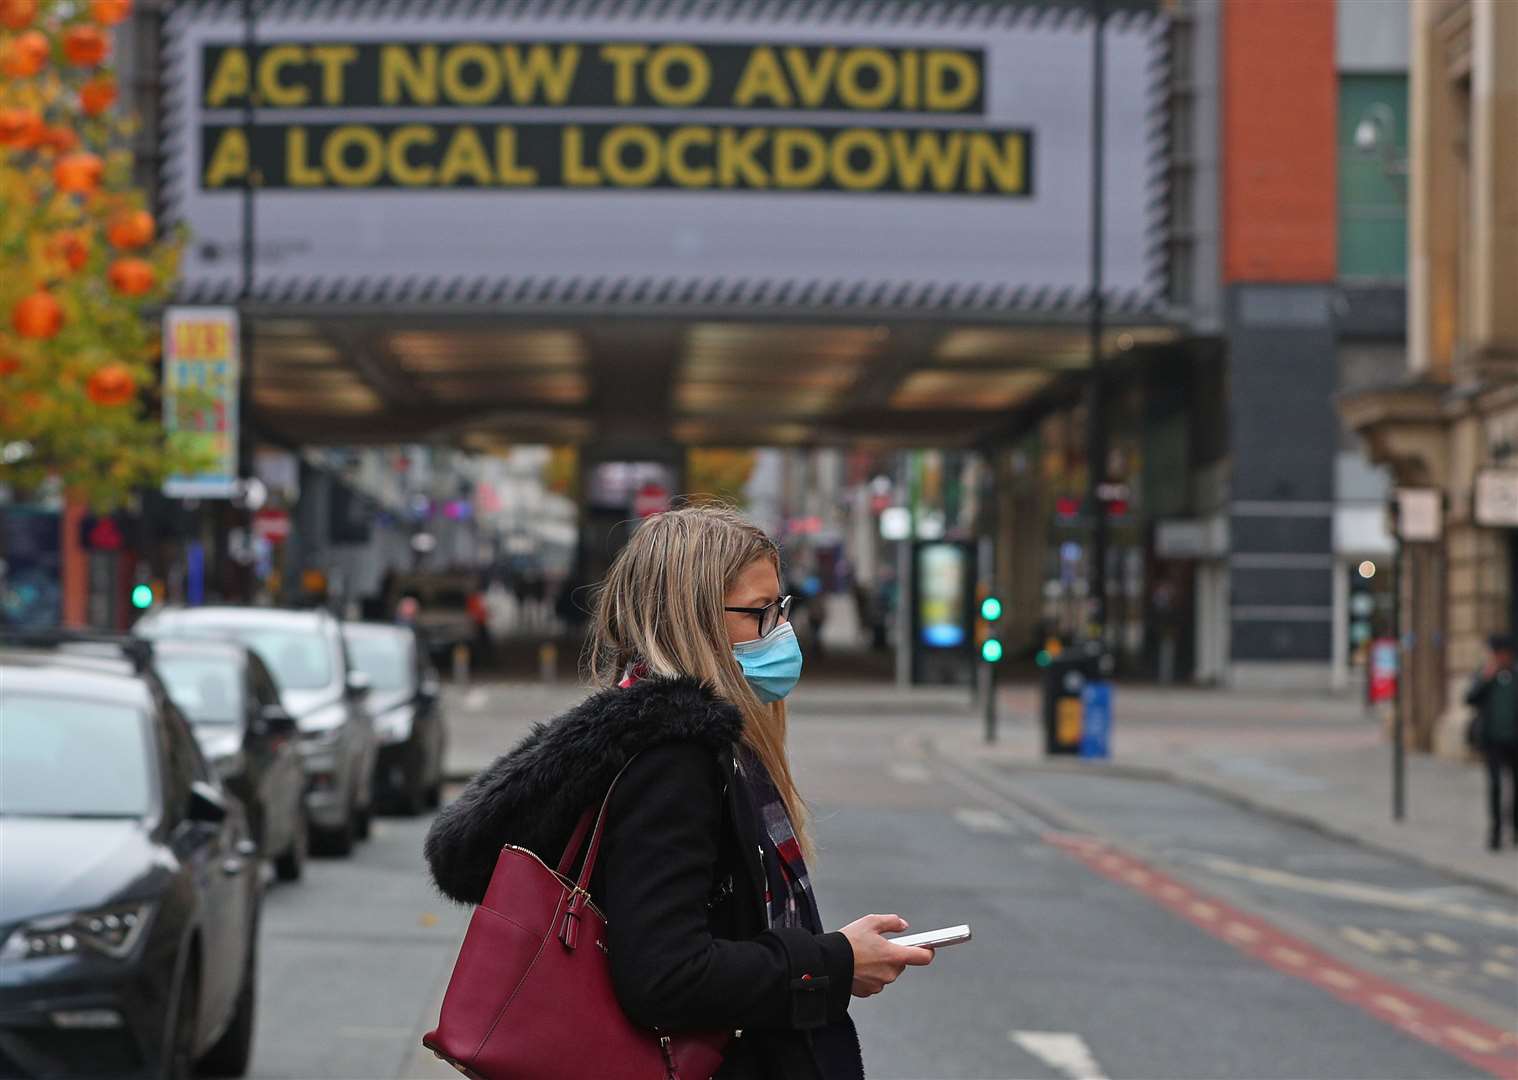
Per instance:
(771,664)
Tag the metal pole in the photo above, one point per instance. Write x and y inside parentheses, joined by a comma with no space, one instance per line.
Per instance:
(245,297)
(1096,419)
(249,233)
(904,583)
(988,680)
(1404,666)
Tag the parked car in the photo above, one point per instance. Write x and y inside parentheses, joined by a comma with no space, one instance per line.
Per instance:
(450,610)
(129,909)
(304,651)
(404,698)
(230,699)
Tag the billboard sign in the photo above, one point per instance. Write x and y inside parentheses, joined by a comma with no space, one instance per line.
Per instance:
(200,395)
(752,154)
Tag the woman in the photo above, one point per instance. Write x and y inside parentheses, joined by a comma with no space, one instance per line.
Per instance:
(711,920)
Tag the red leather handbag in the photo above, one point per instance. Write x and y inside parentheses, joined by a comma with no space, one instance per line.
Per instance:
(531,995)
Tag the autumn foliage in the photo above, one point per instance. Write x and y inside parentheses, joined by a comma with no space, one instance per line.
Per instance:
(82,264)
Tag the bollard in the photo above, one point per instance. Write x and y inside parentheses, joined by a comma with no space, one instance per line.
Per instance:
(461,664)
(548,662)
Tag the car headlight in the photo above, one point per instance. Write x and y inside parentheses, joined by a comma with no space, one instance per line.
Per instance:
(110,930)
(323,729)
(394,726)
(321,739)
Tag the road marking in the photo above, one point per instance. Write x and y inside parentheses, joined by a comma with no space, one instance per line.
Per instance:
(1063,1051)
(1498,970)
(1475,1042)
(1334,977)
(1242,932)
(1424,1018)
(476,699)
(910,772)
(1360,893)
(982,821)
(1396,1004)
(1440,943)
(1363,938)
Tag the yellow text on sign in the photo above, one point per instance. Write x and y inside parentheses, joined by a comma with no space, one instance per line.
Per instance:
(201,340)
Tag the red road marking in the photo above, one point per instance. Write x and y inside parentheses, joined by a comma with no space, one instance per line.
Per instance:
(1473,1041)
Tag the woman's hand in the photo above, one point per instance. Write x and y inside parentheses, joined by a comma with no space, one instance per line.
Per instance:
(878,962)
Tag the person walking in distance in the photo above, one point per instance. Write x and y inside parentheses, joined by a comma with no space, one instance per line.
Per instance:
(704,873)
(1494,729)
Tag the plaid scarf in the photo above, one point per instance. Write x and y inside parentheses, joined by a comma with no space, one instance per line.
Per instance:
(788,891)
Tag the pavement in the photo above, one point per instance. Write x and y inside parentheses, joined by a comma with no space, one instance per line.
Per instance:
(1126,925)
(1320,761)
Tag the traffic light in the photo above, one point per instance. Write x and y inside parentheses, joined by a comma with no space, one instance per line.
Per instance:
(142,597)
(986,632)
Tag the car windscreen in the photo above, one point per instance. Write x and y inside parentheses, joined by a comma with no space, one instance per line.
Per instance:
(207,689)
(68,757)
(388,659)
(298,659)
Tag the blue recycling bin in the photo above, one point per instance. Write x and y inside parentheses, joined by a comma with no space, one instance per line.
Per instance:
(1096,720)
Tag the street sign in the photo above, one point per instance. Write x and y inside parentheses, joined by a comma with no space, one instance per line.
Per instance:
(200,358)
(1497,498)
(650,499)
(1420,514)
(272,526)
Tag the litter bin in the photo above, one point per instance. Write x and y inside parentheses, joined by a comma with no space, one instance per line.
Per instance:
(1065,682)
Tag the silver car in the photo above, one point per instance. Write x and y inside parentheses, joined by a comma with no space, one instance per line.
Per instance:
(321,689)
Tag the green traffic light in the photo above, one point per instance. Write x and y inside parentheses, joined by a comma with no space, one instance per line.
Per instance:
(142,597)
(991,651)
(1043,659)
(990,609)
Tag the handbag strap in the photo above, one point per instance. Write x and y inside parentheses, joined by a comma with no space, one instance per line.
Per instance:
(592,821)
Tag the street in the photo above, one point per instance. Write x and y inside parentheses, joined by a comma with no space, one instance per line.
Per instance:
(1123,928)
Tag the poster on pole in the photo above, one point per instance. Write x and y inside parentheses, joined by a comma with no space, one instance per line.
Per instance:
(200,397)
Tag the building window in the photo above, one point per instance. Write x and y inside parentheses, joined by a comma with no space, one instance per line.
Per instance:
(1372,187)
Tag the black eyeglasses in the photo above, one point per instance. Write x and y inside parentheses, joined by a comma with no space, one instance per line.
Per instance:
(769,616)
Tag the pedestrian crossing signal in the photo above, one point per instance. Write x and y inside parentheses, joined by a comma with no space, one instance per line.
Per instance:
(991,650)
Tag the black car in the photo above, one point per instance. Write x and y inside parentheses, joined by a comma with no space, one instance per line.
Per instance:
(130,897)
(304,651)
(253,743)
(408,713)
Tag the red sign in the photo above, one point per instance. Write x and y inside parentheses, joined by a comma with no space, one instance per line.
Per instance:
(650,499)
(103,534)
(272,525)
(1384,661)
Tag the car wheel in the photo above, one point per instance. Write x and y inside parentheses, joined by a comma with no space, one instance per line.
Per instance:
(181,1063)
(338,841)
(234,1050)
(363,821)
(291,863)
(411,799)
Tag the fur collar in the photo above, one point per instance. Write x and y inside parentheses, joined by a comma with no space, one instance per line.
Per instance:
(533,795)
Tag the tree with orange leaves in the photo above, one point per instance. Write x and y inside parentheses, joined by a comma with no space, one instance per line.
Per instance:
(81,261)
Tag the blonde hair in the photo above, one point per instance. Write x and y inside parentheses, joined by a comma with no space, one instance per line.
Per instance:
(661,606)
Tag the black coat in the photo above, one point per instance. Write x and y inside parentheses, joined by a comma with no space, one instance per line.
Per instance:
(679,875)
